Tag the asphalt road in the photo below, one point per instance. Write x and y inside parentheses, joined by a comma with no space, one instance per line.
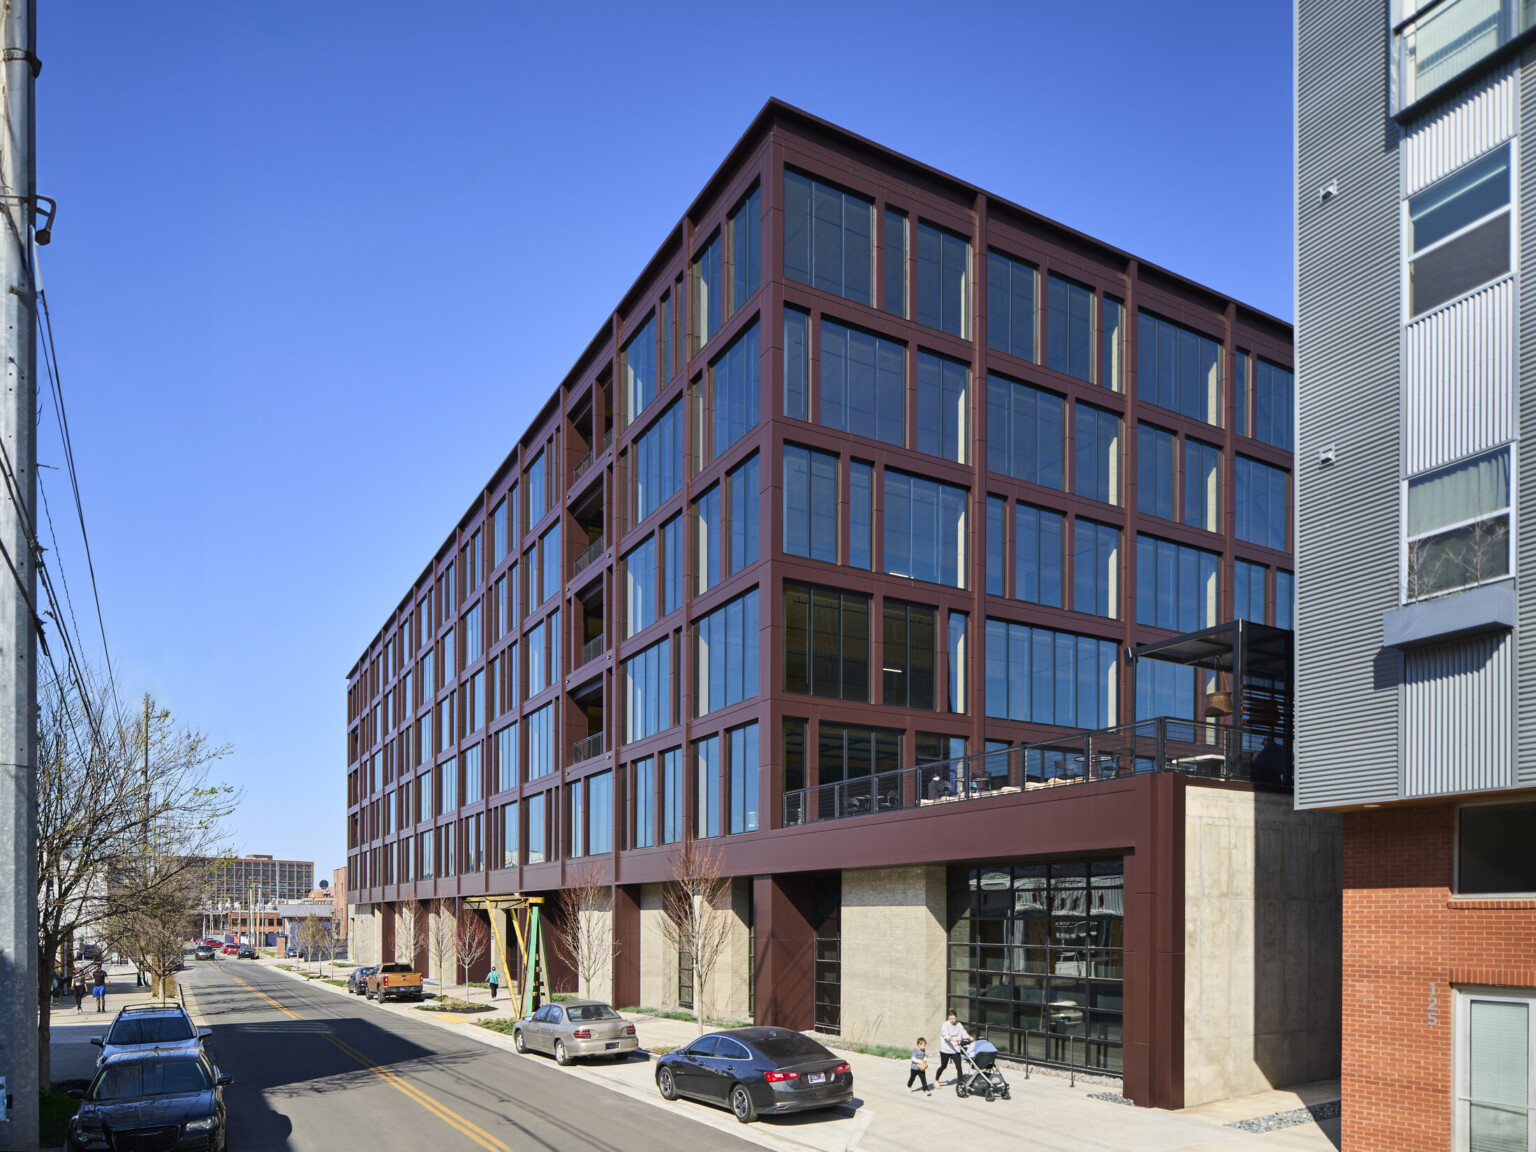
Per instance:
(316,1071)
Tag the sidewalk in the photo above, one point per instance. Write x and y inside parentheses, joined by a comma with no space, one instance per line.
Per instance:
(1046,1111)
(73,1056)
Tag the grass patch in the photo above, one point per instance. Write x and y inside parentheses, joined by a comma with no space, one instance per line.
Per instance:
(560,997)
(686,1017)
(639,1011)
(477,984)
(662,1049)
(333,980)
(505,1027)
(886,1051)
(55,1108)
(287,967)
(450,1004)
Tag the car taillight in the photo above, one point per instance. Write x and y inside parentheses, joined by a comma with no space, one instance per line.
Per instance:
(384,983)
(840,1069)
(582,1033)
(780,1077)
(629,1030)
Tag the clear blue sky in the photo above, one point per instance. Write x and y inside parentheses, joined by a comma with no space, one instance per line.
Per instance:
(317,263)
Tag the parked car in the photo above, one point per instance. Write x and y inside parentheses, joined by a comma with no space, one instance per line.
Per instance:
(153,1099)
(89,951)
(143,1026)
(576,1028)
(753,1071)
(394,982)
(204,952)
(246,953)
(357,979)
(231,949)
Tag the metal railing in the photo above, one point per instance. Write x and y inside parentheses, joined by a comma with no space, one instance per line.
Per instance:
(581,466)
(592,649)
(587,749)
(1194,748)
(593,551)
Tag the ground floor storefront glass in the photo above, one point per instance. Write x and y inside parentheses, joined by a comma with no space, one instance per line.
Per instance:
(1036,957)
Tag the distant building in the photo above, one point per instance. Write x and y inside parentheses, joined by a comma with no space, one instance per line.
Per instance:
(234,881)
(339,897)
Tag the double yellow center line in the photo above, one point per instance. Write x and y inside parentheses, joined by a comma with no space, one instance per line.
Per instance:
(447,1115)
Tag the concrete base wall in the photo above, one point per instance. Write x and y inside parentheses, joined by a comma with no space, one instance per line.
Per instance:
(893,954)
(365,933)
(658,962)
(1263,939)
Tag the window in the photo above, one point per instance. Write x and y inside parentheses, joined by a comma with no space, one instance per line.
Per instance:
(1274,390)
(1495,1054)
(600,813)
(941,406)
(533,644)
(1026,432)
(1285,599)
(1458,525)
(1240,389)
(1045,677)
(943,280)
(794,754)
(540,725)
(500,541)
(549,555)
(474,774)
(1112,341)
(706,778)
(1038,540)
(924,529)
(474,703)
(640,587)
(446,777)
(537,474)
(1098,454)
(1178,369)
(745,228)
(1069,327)
(538,828)
(1202,507)
(642,787)
(863,384)
(955,700)
(997,544)
(861,511)
(1010,306)
(1248,582)
(810,504)
(826,642)
(1493,849)
(474,635)
(639,368)
(733,393)
(1262,499)
(710,557)
(671,795)
(708,292)
(424,856)
(1096,569)
(1156,470)
(1449,38)
(503,611)
(506,828)
(797,364)
(726,661)
(1164,689)
(509,661)
(741,485)
(895,301)
(741,748)
(658,462)
(665,336)
(672,564)
(910,654)
(828,238)
(1176,586)
(506,758)
(844,752)
(648,691)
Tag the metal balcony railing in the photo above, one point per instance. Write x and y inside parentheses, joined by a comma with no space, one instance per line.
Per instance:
(592,552)
(592,649)
(581,466)
(588,748)
(1195,748)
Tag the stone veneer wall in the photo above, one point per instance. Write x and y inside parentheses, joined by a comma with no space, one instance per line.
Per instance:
(893,954)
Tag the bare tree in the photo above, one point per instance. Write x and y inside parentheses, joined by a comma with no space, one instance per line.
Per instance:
(333,930)
(441,930)
(151,932)
(697,915)
(471,940)
(410,932)
(311,935)
(582,925)
(127,817)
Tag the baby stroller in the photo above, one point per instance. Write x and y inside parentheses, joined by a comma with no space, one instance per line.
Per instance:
(985,1078)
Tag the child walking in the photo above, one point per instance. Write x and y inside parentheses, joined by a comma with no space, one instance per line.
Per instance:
(920,1066)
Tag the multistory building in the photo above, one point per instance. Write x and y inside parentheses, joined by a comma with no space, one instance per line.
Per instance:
(235,882)
(829,549)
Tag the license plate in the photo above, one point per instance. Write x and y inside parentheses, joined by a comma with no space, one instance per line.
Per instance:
(611,1044)
(816,1077)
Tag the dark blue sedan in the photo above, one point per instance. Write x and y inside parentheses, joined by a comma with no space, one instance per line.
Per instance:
(162,1099)
(756,1071)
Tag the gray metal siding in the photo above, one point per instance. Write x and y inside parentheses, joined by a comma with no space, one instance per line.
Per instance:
(1349,396)
(1457,723)
(1472,122)
(1458,378)
(1525,556)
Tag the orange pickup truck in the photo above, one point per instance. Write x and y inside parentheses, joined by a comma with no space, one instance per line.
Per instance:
(394,982)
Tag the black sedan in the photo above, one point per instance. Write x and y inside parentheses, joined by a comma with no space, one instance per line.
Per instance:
(246,953)
(152,1099)
(357,979)
(756,1071)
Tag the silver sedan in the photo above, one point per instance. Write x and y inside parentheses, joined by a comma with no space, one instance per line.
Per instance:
(576,1028)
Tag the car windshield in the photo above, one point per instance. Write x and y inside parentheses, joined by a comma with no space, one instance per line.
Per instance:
(790,1046)
(392,969)
(591,1012)
(150,1030)
(129,1081)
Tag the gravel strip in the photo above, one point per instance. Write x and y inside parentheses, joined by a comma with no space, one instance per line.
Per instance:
(1112,1097)
(1277,1120)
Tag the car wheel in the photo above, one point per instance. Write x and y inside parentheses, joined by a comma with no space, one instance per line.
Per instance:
(962,1091)
(517,1042)
(562,1057)
(741,1104)
(666,1085)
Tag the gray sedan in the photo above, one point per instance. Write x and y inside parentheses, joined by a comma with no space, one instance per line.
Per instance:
(576,1028)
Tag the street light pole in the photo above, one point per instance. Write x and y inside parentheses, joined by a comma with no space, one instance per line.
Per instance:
(18,586)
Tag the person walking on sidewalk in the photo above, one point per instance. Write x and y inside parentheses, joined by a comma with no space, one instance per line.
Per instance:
(920,1066)
(952,1035)
(79,990)
(99,987)
(493,980)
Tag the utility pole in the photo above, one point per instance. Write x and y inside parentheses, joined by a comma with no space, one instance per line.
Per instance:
(18,583)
